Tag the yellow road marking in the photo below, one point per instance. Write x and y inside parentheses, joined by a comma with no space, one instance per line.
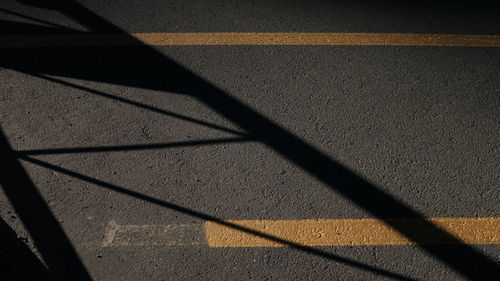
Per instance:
(313,232)
(351,232)
(235,38)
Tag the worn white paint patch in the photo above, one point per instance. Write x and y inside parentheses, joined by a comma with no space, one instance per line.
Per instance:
(153,235)
(109,233)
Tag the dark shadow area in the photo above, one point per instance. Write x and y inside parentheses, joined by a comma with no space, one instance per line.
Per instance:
(17,261)
(48,236)
(438,16)
(146,68)
(13,27)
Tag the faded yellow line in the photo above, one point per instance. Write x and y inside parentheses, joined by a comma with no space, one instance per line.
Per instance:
(218,38)
(351,232)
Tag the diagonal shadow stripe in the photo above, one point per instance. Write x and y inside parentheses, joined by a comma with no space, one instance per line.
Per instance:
(17,260)
(210,218)
(49,238)
(72,150)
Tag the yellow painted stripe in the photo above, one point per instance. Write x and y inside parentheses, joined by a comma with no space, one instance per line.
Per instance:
(351,232)
(218,38)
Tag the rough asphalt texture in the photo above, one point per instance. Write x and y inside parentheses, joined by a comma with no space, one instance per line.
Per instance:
(420,123)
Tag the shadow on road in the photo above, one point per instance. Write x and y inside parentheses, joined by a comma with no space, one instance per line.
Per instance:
(16,259)
(143,67)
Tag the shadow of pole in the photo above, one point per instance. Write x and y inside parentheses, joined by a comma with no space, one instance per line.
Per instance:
(79,150)
(16,259)
(48,236)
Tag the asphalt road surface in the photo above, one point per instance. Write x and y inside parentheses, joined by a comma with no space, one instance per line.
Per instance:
(249,140)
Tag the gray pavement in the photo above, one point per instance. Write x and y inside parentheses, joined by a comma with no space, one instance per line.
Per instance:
(415,130)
